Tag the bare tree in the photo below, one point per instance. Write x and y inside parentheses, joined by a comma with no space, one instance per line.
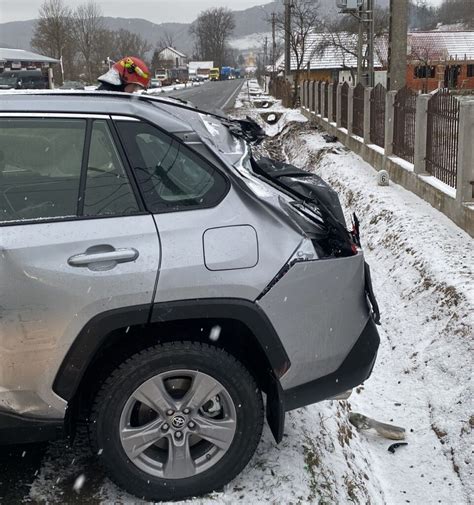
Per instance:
(342,35)
(211,32)
(88,31)
(457,11)
(130,44)
(53,33)
(304,21)
(166,40)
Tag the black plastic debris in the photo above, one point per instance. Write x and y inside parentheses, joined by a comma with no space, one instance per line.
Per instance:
(394,447)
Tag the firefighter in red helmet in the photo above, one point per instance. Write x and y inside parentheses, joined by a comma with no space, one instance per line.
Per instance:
(130,74)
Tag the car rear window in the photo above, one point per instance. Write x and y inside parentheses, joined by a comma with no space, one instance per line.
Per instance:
(170,175)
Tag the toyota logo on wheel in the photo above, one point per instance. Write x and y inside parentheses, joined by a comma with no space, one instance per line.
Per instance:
(178,422)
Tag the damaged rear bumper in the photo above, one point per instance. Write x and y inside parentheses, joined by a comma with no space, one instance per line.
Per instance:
(354,370)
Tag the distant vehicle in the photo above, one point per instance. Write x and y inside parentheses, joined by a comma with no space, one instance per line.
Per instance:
(72,85)
(179,75)
(215,74)
(23,79)
(237,73)
(162,75)
(226,73)
(155,83)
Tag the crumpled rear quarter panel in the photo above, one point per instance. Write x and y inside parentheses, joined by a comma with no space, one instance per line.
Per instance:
(319,309)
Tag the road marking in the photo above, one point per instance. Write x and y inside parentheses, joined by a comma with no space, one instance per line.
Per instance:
(233,95)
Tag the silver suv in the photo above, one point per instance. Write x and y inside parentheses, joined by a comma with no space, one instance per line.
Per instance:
(157,277)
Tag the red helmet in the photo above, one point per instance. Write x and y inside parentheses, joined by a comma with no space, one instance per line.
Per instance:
(128,70)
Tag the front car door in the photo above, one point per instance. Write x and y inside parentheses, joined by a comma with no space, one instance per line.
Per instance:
(75,242)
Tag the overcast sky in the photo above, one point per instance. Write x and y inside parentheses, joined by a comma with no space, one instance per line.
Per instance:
(158,11)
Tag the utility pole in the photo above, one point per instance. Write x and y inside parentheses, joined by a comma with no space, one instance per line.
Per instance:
(360,43)
(273,42)
(287,38)
(370,42)
(397,47)
(265,53)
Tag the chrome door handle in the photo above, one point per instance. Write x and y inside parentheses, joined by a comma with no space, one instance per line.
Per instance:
(115,256)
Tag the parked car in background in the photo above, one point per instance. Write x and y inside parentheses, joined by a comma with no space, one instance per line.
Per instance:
(72,85)
(157,278)
(23,79)
(155,83)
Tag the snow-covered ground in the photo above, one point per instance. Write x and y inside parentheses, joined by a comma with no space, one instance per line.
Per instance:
(422,267)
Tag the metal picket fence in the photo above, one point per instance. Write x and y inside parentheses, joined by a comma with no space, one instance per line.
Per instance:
(358,111)
(404,124)
(442,137)
(326,99)
(344,104)
(377,115)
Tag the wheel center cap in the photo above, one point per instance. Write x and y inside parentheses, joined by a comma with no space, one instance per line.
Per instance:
(178,422)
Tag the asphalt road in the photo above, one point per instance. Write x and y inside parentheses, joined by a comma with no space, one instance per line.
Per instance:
(20,466)
(211,96)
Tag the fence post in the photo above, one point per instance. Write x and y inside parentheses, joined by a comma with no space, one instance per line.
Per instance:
(389,121)
(350,109)
(338,105)
(306,94)
(302,94)
(465,172)
(323,89)
(330,93)
(367,95)
(421,124)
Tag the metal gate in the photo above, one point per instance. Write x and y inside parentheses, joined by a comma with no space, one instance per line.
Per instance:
(442,137)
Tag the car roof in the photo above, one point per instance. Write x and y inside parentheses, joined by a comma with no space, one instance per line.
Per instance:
(95,102)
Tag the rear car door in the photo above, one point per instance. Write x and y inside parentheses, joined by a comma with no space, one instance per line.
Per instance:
(75,242)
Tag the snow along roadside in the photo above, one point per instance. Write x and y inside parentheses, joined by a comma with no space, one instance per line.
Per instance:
(423,277)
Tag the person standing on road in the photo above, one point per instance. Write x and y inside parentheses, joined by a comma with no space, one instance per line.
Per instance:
(129,74)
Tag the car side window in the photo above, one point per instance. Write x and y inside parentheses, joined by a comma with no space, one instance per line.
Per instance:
(170,175)
(40,167)
(108,190)
(41,171)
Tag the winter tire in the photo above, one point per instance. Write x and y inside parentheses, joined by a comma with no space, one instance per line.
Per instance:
(176,420)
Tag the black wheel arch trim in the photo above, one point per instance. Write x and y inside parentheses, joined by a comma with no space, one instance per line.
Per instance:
(95,332)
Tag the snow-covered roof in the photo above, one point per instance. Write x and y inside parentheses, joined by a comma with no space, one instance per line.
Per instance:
(328,51)
(172,49)
(440,45)
(7,54)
